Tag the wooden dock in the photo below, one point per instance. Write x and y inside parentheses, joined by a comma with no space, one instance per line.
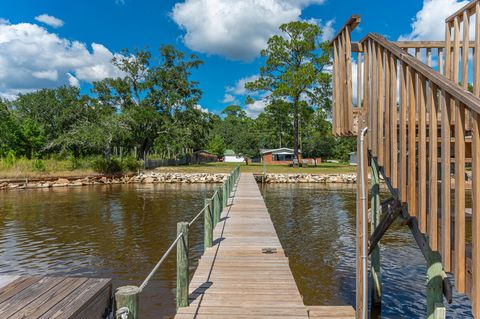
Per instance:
(37,297)
(246,274)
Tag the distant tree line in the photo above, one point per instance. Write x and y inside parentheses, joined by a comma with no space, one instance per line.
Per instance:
(153,108)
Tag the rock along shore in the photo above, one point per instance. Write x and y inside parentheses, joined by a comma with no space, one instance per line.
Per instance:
(187,178)
(308,178)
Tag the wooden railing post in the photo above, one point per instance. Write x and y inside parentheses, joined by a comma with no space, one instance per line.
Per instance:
(216,208)
(182,265)
(225,195)
(126,302)
(208,225)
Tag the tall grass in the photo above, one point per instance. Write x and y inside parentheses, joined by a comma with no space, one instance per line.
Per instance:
(12,167)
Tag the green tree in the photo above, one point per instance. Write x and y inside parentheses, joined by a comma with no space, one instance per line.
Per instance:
(216,145)
(52,111)
(295,71)
(10,133)
(150,95)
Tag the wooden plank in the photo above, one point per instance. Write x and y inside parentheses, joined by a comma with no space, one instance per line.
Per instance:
(369,114)
(393,125)
(433,167)
(366,87)
(375,98)
(16,287)
(26,296)
(441,61)
(448,49)
(445,101)
(381,105)
(49,299)
(476,174)
(422,154)
(411,141)
(460,198)
(387,108)
(426,44)
(359,80)
(349,106)
(343,84)
(403,133)
(336,89)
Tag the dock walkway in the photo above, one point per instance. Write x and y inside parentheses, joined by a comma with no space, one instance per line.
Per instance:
(246,274)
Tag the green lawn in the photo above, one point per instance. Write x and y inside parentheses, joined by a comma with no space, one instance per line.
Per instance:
(325,168)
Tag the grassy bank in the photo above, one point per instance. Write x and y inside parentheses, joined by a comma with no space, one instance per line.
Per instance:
(24,168)
(325,168)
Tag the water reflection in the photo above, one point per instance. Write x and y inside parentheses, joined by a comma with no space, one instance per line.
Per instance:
(116,231)
(120,231)
(316,225)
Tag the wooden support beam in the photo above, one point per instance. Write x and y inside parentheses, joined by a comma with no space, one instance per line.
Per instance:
(390,212)
(376,286)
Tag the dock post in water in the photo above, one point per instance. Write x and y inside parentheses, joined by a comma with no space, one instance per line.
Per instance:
(126,302)
(224,195)
(216,208)
(434,285)
(182,265)
(208,225)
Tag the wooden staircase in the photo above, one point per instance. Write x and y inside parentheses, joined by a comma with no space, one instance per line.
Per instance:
(420,102)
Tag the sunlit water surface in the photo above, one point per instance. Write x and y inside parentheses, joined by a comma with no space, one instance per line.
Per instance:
(120,231)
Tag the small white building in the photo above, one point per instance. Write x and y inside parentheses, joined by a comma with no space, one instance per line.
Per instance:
(231,157)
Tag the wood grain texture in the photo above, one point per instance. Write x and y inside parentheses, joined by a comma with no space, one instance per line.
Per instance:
(55,298)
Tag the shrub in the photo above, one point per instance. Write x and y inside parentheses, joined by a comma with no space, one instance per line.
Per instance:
(112,166)
(130,164)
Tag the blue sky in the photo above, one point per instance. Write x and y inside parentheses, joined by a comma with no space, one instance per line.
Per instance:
(46,43)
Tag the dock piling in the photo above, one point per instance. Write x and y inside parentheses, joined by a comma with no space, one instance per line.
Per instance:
(126,302)
(208,225)
(182,265)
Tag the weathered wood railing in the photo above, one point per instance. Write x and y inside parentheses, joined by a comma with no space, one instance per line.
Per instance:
(127,297)
(414,98)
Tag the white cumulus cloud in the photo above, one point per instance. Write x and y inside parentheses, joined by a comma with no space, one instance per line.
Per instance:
(239,87)
(33,58)
(229,99)
(237,30)
(255,108)
(429,23)
(50,20)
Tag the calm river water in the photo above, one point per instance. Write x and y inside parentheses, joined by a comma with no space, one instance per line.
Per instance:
(120,231)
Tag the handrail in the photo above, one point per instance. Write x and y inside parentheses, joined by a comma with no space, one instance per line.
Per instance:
(198,215)
(351,23)
(469,7)
(468,99)
(127,297)
(165,255)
